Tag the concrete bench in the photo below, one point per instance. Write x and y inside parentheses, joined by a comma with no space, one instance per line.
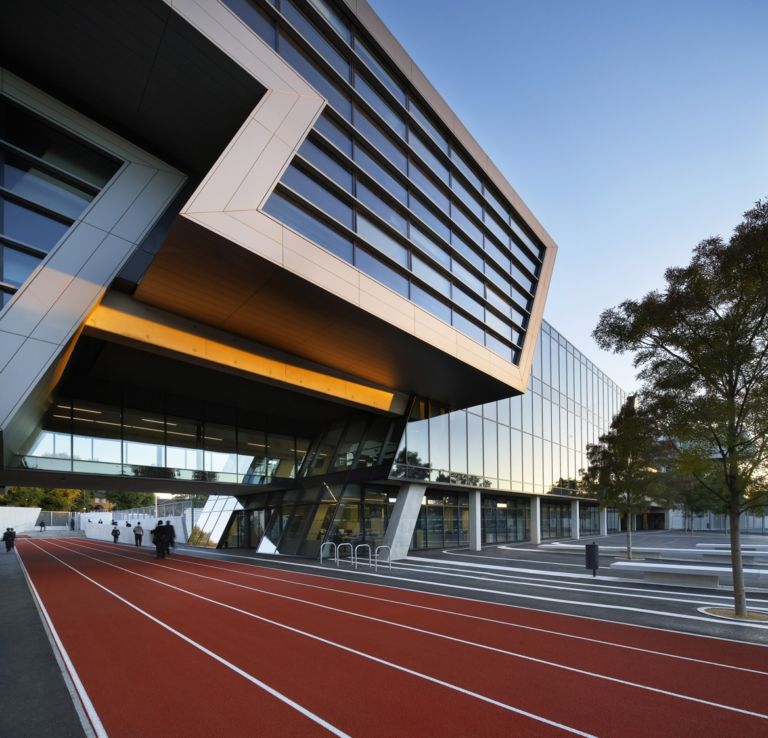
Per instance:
(691,575)
(754,547)
(724,557)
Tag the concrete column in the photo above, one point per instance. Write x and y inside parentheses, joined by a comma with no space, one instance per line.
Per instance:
(475,517)
(603,521)
(403,520)
(536,520)
(575,531)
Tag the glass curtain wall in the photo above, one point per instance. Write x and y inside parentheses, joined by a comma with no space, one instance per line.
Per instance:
(162,436)
(589,519)
(443,521)
(47,179)
(381,184)
(532,443)
(505,519)
(296,522)
(555,519)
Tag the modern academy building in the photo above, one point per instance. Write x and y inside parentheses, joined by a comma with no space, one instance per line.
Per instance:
(247,250)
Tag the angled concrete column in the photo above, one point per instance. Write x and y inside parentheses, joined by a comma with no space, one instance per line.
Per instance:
(603,521)
(575,531)
(475,516)
(536,520)
(403,520)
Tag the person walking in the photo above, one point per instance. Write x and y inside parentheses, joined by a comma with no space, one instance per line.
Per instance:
(158,538)
(8,539)
(115,533)
(138,534)
(170,537)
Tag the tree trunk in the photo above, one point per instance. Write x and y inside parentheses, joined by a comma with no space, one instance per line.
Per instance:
(629,536)
(739,596)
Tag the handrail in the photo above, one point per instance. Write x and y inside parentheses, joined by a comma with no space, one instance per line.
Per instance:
(322,545)
(355,557)
(376,557)
(338,551)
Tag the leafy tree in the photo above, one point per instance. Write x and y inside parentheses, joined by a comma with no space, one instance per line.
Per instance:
(44,497)
(620,470)
(701,349)
(127,500)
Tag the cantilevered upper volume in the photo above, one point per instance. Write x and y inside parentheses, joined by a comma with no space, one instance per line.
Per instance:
(378,238)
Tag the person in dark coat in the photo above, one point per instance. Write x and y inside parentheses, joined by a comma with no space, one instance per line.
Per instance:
(170,536)
(115,533)
(158,538)
(8,538)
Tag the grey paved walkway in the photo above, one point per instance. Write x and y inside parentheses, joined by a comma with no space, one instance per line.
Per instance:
(34,699)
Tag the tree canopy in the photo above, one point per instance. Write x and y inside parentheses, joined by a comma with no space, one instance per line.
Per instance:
(701,350)
(621,471)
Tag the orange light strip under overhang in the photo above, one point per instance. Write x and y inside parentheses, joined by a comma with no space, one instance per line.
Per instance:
(143,328)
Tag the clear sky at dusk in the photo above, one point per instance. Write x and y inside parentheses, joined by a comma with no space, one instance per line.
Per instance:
(632,130)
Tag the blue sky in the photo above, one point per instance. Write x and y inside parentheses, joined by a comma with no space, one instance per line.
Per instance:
(632,130)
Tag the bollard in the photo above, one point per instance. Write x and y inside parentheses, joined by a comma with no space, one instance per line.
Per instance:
(592,551)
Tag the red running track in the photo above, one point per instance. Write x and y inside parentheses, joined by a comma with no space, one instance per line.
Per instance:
(216,648)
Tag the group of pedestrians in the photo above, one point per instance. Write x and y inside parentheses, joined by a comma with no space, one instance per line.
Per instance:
(9,539)
(163,536)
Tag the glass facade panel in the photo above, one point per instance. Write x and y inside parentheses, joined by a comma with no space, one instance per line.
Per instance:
(430,303)
(381,272)
(16,266)
(318,195)
(288,212)
(380,140)
(385,111)
(327,164)
(334,134)
(380,175)
(25,224)
(376,237)
(378,69)
(429,245)
(372,201)
(338,101)
(318,42)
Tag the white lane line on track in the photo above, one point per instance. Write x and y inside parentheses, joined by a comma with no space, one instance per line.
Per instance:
(90,710)
(423,631)
(333,644)
(262,685)
(272,561)
(196,562)
(569,586)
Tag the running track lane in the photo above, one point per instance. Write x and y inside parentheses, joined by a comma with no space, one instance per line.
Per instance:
(574,699)
(659,667)
(358,696)
(702,678)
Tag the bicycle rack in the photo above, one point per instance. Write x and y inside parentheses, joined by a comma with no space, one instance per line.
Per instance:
(338,551)
(333,550)
(356,558)
(376,557)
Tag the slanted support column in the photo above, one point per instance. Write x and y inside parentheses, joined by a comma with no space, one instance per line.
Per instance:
(575,531)
(536,520)
(603,521)
(475,516)
(403,520)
